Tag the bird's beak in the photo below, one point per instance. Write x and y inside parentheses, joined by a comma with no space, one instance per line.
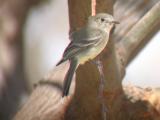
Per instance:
(115,22)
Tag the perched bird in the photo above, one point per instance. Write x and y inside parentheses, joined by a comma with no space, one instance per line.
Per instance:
(86,44)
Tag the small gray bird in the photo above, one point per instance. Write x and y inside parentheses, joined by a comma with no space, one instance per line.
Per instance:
(86,44)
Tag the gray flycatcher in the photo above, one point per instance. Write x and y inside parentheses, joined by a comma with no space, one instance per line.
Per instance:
(86,44)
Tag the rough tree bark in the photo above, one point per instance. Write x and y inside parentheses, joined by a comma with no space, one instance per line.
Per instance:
(45,102)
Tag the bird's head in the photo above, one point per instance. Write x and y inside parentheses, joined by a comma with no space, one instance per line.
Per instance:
(103,21)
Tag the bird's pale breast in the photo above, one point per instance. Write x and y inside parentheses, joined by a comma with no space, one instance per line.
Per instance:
(91,52)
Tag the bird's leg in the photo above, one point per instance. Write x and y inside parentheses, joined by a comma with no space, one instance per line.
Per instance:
(101,88)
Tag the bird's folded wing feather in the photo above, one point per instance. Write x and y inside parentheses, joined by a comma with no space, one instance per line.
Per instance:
(81,40)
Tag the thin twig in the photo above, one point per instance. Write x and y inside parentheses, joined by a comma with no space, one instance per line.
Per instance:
(93,7)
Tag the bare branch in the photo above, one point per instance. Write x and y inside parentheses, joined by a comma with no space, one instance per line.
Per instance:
(46,103)
(139,33)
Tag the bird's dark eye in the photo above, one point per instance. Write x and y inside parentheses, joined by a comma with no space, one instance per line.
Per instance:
(102,19)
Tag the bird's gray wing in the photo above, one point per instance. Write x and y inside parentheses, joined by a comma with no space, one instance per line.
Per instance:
(80,41)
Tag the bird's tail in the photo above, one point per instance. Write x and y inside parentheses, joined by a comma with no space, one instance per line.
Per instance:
(69,76)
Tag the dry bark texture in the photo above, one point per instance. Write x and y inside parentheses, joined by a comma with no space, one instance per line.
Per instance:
(45,103)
